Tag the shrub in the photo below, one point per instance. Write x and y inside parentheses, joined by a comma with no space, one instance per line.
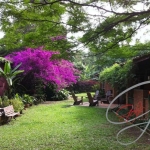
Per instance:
(53,94)
(5,101)
(27,99)
(39,64)
(61,95)
(85,86)
(17,104)
(118,75)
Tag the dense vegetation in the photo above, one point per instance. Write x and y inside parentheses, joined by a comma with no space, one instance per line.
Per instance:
(41,66)
(118,75)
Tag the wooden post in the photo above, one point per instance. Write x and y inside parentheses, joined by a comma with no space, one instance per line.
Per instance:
(127,98)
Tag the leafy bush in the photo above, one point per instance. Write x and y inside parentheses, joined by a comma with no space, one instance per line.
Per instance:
(39,92)
(118,75)
(39,64)
(62,94)
(5,101)
(17,104)
(85,86)
(27,99)
(57,95)
(96,87)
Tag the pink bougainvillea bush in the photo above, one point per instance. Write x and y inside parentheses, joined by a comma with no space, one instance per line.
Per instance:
(39,62)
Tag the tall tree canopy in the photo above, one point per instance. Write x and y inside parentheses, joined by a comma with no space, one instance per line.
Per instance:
(106,25)
(26,24)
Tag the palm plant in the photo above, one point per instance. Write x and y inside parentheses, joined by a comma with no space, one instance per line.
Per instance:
(9,74)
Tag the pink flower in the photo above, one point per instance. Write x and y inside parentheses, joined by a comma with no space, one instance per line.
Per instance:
(38,61)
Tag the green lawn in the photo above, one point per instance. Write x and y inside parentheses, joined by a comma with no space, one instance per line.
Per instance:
(84,96)
(61,126)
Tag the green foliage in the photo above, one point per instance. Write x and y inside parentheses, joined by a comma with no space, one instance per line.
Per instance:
(96,87)
(27,99)
(61,95)
(8,73)
(86,73)
(87,65)
(39,94)
(5,101)
(118,75)
(31,25)
(34,23)
(77,18)
(17,103)
(52,94)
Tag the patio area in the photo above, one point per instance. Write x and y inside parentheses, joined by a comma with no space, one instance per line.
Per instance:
(101,105)
(86,104)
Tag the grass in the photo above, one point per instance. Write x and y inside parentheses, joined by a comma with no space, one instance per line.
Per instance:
(84,96)
(61,126)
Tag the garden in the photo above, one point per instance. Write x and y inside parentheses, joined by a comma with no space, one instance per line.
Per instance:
(50,49)
(60,125)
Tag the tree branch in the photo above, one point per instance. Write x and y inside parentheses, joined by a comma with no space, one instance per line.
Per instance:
(116,43)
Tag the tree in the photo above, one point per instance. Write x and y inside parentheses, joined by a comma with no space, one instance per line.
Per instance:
(29,25)
(87,65)
(39,64)
(113,25)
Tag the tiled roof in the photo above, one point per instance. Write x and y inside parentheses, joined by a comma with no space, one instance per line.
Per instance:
(141,58)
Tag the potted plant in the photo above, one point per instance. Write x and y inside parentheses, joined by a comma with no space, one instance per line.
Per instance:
(17,103)
(27,100)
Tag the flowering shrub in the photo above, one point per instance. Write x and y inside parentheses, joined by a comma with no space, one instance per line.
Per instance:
(39,63)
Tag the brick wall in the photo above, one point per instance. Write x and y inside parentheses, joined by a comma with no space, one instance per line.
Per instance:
(108,87)
(139,102)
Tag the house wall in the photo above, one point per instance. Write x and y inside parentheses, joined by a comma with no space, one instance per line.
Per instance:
(108,87)
(142,71)
(141,103)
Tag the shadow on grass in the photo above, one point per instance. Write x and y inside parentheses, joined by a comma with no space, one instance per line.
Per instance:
(65,106)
